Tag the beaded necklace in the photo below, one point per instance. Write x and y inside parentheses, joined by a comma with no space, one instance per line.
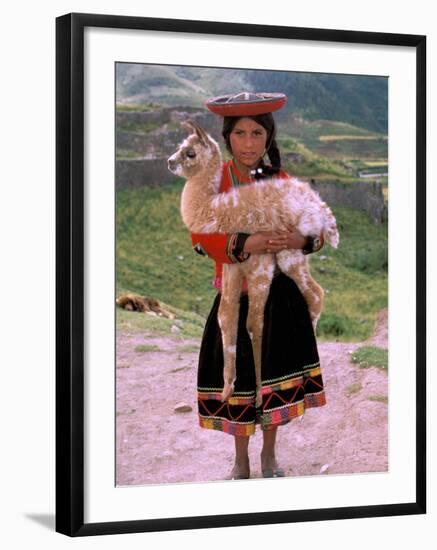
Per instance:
(235,181)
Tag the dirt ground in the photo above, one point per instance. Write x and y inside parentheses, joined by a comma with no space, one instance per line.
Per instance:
(157,444)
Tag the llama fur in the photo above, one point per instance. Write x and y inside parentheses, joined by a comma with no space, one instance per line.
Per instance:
(266,205)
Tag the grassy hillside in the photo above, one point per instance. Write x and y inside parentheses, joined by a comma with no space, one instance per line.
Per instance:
(308,148)
(154,257)
(336,140)
(356,99)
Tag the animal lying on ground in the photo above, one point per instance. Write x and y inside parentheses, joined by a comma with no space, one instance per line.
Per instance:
(266,205)
(144,304)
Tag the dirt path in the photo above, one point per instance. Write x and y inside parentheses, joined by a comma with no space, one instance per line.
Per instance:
(155,444)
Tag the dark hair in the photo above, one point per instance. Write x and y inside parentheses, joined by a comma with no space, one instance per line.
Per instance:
(268,122)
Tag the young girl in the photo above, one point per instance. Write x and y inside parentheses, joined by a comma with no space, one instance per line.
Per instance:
(290,372)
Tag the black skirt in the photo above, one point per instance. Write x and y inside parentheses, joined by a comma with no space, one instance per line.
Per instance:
(290,368)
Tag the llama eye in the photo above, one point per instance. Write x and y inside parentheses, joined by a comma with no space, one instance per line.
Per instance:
(190,154)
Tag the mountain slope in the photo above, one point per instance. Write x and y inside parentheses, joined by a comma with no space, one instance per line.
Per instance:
(356,99)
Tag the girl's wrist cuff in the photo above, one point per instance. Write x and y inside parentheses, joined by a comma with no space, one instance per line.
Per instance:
(235,247)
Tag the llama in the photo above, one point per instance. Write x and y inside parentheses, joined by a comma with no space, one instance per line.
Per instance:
(266,205)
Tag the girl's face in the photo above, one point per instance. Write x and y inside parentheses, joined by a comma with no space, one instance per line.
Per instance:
(248,142)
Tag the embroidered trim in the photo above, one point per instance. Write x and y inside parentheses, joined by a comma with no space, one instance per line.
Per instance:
(284,405)
(226,420)
(219,390)
(313,244)
(283,415)
(200,250)
(285,385)
(230,247)
(306,367)
(226,426)
(266,411)
(233,400)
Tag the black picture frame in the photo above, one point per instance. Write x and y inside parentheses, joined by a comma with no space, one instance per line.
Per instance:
(70,489)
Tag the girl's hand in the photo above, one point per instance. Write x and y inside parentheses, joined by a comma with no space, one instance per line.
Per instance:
(294,239)
(274,241)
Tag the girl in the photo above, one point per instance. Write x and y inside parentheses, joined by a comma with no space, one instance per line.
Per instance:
(291,376)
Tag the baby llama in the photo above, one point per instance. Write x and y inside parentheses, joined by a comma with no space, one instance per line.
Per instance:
(266,205)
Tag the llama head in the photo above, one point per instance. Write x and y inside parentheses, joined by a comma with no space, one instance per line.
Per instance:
(197,152)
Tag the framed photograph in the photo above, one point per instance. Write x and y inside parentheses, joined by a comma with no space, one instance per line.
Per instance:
(145,439)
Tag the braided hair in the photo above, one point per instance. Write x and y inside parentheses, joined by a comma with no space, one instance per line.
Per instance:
(268,122)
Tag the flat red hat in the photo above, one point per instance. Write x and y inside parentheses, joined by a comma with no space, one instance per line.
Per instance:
(246,104)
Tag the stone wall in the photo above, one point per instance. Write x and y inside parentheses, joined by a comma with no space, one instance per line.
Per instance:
(163,140)
(362,195)
(154,148)
(142,173)
(162,143)
(147,117)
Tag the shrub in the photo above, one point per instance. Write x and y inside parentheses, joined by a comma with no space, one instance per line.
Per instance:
(331,324)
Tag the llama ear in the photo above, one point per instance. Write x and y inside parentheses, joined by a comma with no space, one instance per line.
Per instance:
(196,129)
(188,125)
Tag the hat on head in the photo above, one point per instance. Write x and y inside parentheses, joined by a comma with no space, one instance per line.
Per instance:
(246,103)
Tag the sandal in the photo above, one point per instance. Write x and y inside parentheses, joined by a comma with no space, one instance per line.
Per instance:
(273,472)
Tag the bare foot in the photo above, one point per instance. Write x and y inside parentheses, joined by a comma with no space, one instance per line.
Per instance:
(240,471)
(268,461)
(270,466)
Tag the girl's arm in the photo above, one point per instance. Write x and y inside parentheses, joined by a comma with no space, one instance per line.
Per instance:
(221,247)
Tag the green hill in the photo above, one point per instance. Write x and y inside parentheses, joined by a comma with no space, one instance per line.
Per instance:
(154,257)
(355,99)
